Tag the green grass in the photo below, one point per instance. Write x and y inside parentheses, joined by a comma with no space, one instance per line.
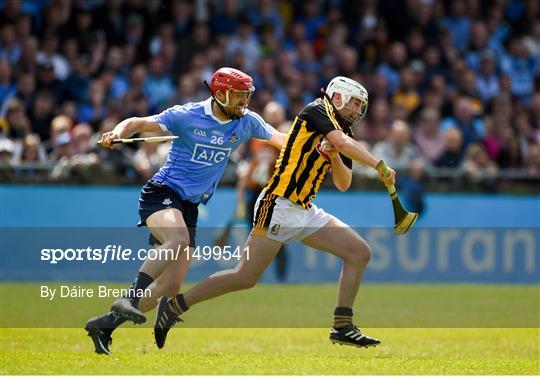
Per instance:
(404,317)
(378,305)
(273,351)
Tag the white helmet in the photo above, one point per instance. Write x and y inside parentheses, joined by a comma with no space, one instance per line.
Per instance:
(349,89)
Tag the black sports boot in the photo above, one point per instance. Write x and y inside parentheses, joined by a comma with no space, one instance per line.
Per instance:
(352,336)
(165,319)
(100,335)
(125,308)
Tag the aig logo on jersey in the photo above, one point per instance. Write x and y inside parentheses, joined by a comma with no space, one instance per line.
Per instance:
(209,154)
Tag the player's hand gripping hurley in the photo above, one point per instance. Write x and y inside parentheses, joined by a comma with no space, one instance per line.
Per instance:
(403,219)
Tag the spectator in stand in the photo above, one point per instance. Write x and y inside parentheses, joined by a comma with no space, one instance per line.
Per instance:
(41,113)
(297,33)
(158,84)
(458,24)
(150,157)
(11,12)
(94,109)
(62,147)
(139,107)
(311,18)
(487,83)
(428,136)
(377,126)
(477,165)
(532,161)
(7,86)
(84,162)
(407,94)
(32,150)
(479,45)
(17,125)
(28,60)
(26,89)
(10,49)
(268,12)
(306,60)
(373,46)
(189,89)
(76,86)
(115,63)
(398,151)
(245,41)
(46,80)
(49,56)
(467,89)
(397,58)
(6,151)
(59,125)
(471,127)
(347,62)
(225,21)
(511,155)
(497,132)
(453,149)
(416,44)
(521,69)
(188,45)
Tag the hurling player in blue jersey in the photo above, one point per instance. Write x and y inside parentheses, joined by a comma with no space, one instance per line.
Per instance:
(209,132)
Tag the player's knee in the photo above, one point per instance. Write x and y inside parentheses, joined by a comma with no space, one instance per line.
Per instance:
(359,254)
(178,241)
(364,253)
(247,281)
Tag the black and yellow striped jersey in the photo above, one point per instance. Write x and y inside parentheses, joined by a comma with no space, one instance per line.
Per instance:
(300,168)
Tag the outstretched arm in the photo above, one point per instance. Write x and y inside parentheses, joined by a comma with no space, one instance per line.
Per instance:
(355,151)
(277,140)
(129,127)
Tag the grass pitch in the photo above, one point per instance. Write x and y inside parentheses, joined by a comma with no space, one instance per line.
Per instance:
(273,351)
(420,350)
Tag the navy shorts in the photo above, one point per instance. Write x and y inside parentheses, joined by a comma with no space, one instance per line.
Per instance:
(155,197)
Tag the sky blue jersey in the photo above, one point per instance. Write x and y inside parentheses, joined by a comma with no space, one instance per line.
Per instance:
(198,157)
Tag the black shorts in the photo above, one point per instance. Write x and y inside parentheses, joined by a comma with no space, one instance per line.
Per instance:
(155,197)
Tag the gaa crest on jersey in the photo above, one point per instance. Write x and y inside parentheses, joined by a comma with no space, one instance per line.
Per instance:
(274,229)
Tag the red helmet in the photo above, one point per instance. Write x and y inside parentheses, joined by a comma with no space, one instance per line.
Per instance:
(229,78)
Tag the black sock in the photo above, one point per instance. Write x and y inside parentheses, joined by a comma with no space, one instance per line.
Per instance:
(178,304)
(141,282)
(342,317)
(111,321)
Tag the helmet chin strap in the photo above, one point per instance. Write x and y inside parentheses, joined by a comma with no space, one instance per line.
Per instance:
(220,105)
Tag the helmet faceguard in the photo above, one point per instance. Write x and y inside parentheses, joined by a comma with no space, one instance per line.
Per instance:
(234,84)
(354,98)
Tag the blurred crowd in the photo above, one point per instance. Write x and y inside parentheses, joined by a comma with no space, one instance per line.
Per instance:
(452,84)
